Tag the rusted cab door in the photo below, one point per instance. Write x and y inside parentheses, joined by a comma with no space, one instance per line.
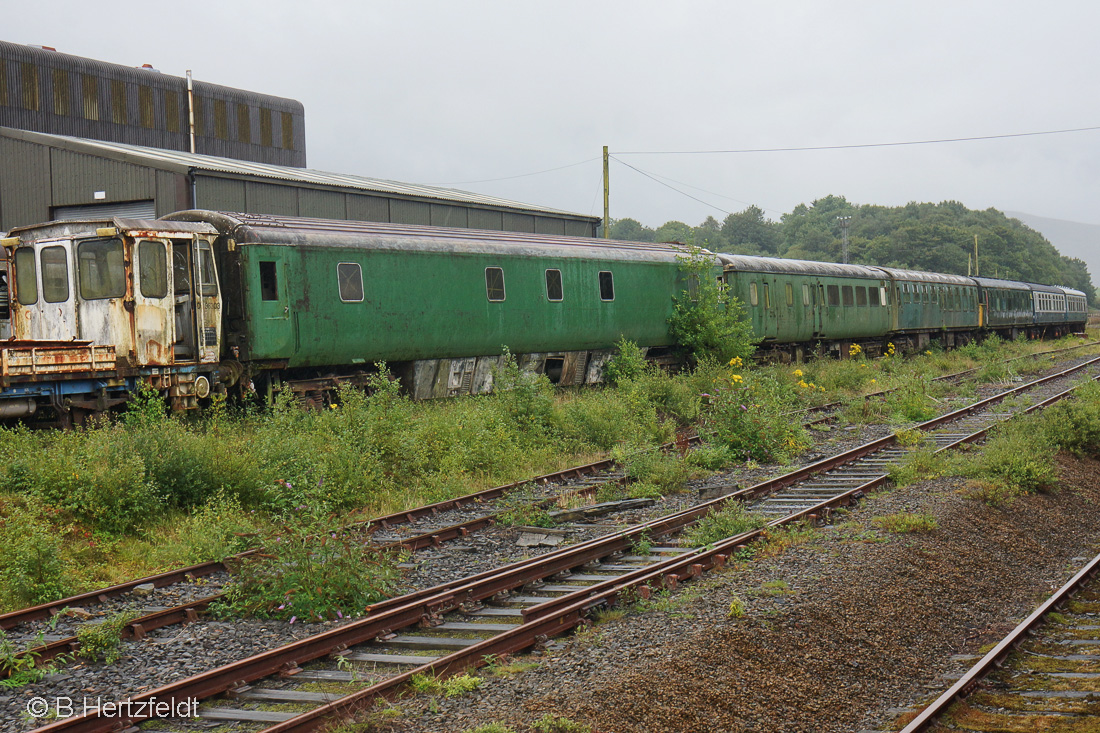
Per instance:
(154,324)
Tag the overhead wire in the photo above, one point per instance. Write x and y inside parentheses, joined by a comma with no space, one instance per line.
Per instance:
(860,145)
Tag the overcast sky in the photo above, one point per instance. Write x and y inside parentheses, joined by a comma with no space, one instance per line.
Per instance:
(449,92)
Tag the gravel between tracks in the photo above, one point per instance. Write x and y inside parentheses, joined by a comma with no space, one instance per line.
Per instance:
(867,621)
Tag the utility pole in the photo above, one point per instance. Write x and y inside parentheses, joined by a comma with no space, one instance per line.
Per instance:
(975,255)
(606,198)
(844,222)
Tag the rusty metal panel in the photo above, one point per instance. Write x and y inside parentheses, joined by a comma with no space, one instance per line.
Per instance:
(410,212)
(76,178)
(367,208)
(443,215)
(49,359)
(25,183)
(322,204)
(270,198)
(225,194)
(484,219)
(173,192)
(546,225)
(513,222)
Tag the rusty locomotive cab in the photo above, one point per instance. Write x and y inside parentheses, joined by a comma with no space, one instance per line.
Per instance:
(99,307)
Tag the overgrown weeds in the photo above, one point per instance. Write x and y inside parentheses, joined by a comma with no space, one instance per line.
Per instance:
(906,523)
(730,521)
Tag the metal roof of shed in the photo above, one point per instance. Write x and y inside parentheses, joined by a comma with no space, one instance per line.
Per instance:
(181,162)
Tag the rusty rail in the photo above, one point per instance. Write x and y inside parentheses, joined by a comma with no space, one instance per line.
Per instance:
(995,656)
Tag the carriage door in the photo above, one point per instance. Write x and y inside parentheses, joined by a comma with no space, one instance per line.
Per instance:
(57,304)
(183,346)
(154,327)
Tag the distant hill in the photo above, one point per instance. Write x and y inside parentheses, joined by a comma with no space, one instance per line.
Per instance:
(1071,238)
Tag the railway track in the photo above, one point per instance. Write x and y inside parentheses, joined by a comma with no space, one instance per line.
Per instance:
(1044,675)
(448,628)
(389,525)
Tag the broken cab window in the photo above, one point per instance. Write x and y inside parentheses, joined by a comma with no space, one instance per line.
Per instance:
(153,269)
(102,269)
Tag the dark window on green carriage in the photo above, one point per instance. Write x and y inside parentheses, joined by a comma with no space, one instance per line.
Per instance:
(350,275)
(834,295)
(553,285)
(805,294)
(26,276)
(861,295)
(767,297)
(754,298)
(55,274)
(269,281)
(152,269)
(790,294)
(494,284)
(102,269)
(607,286)
(846,294)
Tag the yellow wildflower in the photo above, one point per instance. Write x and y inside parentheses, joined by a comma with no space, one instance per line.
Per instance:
(797,373)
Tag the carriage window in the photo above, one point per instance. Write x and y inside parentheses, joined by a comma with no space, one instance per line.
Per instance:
(834,295)
(208,281)
(494,284)
(805,294)
(55,274)
(607,286)
(846,293)
(553,285)
(754,299)
(269,281)
(790,294)
(152,269)
(861,296)
(350,277)
(767,297)
(26,276)
(102,270)
(882,296)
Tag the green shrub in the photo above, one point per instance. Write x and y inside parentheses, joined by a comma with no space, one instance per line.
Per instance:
(706,321)
(628,363)
(1018,456)
(555,724)
(309,572)
(1074,424)
(905,522)
(710,457)
(667,472)
(214,531)
(920,465)
(752,417)
(730,521)
(32,565)
(104,640)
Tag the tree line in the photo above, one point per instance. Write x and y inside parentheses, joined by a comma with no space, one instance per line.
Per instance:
(925,236)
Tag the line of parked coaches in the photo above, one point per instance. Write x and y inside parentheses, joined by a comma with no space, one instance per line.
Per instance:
(793,303)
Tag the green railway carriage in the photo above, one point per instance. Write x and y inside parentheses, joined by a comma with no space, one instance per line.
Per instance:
(303,295)
(929,304)
(794,303)
(1006,305)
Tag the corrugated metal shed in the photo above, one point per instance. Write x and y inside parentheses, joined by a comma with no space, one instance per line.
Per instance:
(61,171)
(47,91)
